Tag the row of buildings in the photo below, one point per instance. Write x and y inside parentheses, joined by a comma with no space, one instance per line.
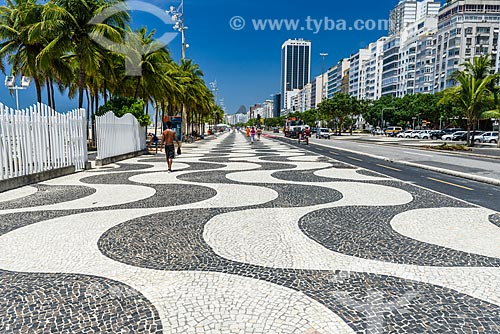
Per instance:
(427,43)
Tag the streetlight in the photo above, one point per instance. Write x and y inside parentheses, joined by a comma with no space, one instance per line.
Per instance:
(10,83)
(323,56)
(215,89)
(177,15)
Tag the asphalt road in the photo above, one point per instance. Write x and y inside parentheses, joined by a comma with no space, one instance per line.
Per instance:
(478,193)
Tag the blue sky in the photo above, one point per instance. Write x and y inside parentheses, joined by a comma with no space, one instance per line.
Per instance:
(246,63)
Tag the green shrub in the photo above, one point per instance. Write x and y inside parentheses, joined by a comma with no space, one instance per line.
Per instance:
(126,105)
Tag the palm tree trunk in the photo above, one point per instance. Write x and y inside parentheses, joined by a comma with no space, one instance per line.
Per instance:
(53,94)
(49,99)
(81,84)
(105,91)
(469,128)
(136,94)
(38,89)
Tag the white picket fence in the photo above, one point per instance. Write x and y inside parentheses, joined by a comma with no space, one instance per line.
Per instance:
(39,139)
(119,136)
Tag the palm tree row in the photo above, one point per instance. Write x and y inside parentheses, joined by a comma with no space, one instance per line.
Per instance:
(55,43)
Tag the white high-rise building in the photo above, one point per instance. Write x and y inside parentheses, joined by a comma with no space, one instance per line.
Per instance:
(466,29)
(427,8)
(402,15)
(415,57)
(373,70)
(357,74)
(267,108)
(316,93)
(408,12)
(295,69)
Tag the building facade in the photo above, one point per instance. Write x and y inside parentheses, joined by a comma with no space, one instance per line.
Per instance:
(466,29)
(296,69)
(336,76)
(357,74)
(373,70)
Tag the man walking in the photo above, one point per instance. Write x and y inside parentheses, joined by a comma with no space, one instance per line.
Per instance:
(168,140)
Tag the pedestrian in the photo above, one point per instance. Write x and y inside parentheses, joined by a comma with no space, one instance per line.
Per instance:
(247,131)
(259,133)
(252,135)
(168,139)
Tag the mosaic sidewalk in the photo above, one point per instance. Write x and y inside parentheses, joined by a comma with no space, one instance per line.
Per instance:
(264,239)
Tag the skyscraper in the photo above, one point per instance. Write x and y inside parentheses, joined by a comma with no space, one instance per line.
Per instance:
(295,69)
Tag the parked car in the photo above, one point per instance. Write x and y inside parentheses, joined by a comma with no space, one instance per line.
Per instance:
(437,134)
(323,133)
(415,134)
(451,135)
(392,131)
(405,134)
(487,137)
(424,134)
(463,136)
(276,130)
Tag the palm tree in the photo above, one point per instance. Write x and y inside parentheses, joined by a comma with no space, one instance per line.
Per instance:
(19,45)
(473,91)
(193,89)
(74,38)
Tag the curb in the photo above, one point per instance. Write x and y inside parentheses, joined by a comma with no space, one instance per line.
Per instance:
(26,180)
(476,178)
(494,157)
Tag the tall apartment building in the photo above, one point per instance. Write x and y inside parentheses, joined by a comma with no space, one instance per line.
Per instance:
(357,74)
(295,69)
(415,57)
(390,71)
(408,63)
(316,92)
(466,29)
(409,11)
(426,63)
(402,15)
(373,70)
(335,77)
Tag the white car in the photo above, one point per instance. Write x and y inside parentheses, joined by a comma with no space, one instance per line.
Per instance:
(451,135)
(415,134)
(405,134)
(323,133)
(424,134)
(487,137)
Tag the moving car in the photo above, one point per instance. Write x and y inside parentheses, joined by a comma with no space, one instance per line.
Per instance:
(323,133)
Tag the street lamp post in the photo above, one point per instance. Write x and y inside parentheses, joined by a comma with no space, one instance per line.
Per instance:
(178,17)
(10,83)
(323,56)
(215,89)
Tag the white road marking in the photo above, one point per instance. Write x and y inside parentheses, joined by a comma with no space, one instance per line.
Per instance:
(420,154)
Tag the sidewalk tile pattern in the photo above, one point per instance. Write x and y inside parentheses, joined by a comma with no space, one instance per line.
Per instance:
(243,238)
